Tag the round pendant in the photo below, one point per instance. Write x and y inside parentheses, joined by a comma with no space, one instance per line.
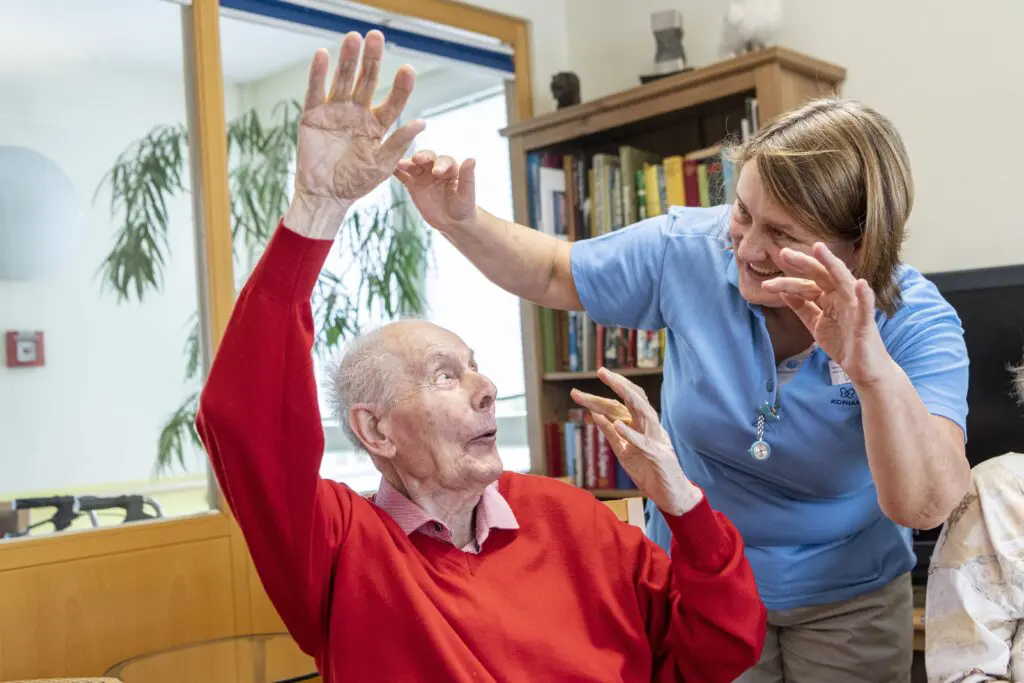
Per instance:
(760,450)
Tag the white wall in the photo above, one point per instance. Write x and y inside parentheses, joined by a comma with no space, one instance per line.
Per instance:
(549,40)
(947,72)
(114,372)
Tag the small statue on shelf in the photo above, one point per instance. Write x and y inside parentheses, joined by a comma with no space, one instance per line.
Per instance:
(749,25)
(565,88)
(669,55)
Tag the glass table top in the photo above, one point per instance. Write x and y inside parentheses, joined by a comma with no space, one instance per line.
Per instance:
(256,658)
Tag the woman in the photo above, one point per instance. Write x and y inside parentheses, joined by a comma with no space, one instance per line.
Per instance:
(814,387)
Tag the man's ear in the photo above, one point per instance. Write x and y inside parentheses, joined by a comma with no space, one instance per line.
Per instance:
(365,421)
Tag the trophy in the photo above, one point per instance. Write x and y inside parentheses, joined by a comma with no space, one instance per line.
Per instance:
(669,56)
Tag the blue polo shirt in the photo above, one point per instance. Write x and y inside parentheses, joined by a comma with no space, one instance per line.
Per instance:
(809,513)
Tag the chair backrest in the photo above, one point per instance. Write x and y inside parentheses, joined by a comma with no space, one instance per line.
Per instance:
(629,510)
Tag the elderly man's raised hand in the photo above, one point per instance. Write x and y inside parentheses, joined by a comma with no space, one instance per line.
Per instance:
(343,153)
(640,443)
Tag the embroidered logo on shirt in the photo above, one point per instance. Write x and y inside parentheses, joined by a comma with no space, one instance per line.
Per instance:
(847,397)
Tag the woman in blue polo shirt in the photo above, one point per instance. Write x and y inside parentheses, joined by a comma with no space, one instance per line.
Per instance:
(814,386)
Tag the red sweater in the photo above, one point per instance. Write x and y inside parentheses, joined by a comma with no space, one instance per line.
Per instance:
(572,595)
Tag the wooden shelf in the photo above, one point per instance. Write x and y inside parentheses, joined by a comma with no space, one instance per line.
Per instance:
(592,374)
(612,494)
(607,494)
(762,70)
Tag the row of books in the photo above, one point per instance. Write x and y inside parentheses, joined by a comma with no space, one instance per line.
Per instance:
(577,449)
(575,196)
(618,190)
(572,342)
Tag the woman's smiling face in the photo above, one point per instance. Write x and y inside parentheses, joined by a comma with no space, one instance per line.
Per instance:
(760,229)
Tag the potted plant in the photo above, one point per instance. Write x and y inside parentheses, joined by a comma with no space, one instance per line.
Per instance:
(387,245)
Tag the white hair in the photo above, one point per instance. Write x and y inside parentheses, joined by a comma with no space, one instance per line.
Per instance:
(1018,382)
(365,374)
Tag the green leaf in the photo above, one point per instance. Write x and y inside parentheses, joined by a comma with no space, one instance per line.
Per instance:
(193,348)
(144,177)
(179,430)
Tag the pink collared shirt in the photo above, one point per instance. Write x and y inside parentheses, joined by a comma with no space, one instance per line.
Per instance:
(492,512)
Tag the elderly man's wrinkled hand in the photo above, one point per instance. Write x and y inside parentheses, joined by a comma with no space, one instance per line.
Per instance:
(640,443)
(342,152)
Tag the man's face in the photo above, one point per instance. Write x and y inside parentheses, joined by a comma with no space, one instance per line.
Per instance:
(442,424)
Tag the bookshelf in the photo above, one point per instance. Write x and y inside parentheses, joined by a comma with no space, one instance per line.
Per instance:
(662,134)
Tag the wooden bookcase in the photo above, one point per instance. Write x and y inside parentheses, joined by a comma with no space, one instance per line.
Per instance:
(674,115)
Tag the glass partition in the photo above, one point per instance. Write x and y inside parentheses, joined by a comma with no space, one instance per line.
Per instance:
(98,268)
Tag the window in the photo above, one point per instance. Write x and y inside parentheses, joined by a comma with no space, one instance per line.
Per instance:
(340,263)
(458,296)
(342,461)
(100,261)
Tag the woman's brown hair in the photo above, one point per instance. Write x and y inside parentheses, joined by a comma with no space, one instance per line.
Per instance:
(840,169)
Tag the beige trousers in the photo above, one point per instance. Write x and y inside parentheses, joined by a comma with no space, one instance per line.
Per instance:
(868,639)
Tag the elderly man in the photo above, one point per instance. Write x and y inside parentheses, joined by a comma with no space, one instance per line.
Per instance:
(455,571)
(974,614)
